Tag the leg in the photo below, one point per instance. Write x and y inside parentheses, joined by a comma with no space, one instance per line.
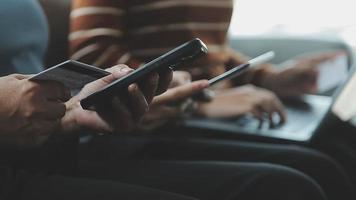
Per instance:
(42,187)
(320,167)
(210,180)
(342,147)
(328,173)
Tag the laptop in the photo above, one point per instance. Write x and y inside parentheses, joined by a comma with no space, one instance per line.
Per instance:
(306,116)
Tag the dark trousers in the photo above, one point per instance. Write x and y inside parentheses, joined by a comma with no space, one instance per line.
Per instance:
(204,180)
(209,180)
(339,141)
(324,170)
(27,186)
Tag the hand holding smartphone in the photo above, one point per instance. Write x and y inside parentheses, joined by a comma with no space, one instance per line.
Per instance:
(173,59)
(235,71)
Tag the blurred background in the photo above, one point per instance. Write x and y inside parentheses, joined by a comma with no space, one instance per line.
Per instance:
(327,19)
(291,27)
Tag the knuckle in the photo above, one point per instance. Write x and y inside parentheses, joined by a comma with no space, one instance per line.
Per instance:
(118,70)
(33,87)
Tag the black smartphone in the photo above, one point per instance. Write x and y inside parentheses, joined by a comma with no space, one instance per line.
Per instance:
(181,55)
(233,72)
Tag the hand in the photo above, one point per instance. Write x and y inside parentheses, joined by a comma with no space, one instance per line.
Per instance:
(241,101)
(156,83)
(122,114)
(180,78)
(170,106)
(299,77)
(30,111)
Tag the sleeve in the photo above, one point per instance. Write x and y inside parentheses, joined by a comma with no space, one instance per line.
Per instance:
(253,75)
(98,32)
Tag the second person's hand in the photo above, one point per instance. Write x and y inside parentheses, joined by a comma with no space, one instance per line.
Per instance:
(244,100)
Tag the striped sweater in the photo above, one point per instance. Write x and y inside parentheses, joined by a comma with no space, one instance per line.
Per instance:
(107,32)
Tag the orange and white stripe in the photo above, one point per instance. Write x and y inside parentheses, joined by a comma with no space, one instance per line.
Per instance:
(94,33)
(124,58)
(79,12)
(105,55)
(85,51)
(176,3)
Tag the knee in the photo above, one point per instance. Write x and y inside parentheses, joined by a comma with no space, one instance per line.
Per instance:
(279,182)
(305,158)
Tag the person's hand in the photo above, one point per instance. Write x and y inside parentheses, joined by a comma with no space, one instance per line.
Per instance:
(173,104)
(122,114)
(299,75)
(30,111)
(244,100)
(156,83)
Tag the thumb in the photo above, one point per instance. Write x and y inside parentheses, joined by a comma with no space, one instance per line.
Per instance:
(117,72)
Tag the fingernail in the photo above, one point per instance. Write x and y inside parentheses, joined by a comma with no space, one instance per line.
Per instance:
(133,87)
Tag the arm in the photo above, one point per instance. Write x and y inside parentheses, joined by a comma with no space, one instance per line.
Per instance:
(98,33)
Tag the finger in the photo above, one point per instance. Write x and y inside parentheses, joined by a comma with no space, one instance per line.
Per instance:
(182,92)
(137,102)
(268,106)
(275,106)
(95,122)
(266,110)
(123,118)
(258,114)
(280,110)
(165,78)
(117,72)
(149,86)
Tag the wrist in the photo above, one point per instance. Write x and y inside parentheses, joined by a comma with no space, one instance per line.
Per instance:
(265,77)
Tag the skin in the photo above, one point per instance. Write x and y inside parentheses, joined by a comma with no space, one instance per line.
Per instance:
(29,110)
(166,107)
(33,111)
(243,100)
(122,114)
(299,76)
